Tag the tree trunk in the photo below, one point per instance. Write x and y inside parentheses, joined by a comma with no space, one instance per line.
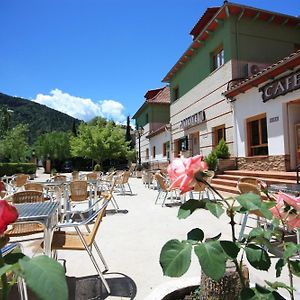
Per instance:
(227,288)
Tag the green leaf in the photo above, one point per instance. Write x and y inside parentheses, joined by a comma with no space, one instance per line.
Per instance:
(255,232)
(231,249)
(189,207)
(212,259)
(258,257)
(195,235)
(175,258)
(45,276)
(279,265)
(215,208)
(295,266)
(247,294)
(4,269)
(290,250)
(279,285)
(214,238)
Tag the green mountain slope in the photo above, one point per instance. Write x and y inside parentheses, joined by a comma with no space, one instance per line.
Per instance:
(40,118)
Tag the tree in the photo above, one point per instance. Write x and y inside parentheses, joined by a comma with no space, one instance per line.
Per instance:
(14,146)
(5,118)
(98,142)
(128,135)
(56,144)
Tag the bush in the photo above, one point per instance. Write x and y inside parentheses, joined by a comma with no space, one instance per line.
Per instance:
(211,160)
(15,168)
(222,150)
(97,168)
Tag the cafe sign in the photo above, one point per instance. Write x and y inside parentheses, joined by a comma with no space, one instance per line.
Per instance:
(281,86)
(193,120)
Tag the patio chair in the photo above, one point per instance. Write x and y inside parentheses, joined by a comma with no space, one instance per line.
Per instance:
(108,194)
(201,188)
(24,229)
(80,241)
(59,177)
(75,175)
(122,180)
(18,182)
(163,188)
(245,188)
(78,193)
(3,191)
(147,178)
(92,176)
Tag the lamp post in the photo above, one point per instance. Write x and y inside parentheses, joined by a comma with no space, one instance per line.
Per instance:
(139,132)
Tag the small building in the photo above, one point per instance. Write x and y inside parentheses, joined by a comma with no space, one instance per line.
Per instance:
(267,117)
(154,116)
(229,43)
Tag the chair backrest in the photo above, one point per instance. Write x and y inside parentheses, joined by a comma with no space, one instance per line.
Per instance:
(248,179)
(125,177)
(245,187)
(161,181)
(33,186)
(27,197)
(98,220)
(92,176)
(147,177)
(75,175)
(21,179)
(60,178)
(2,186)
(79,190)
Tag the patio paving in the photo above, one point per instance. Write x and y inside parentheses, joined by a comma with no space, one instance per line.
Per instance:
(131,242)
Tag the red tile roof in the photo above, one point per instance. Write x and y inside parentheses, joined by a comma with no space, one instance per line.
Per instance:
(162,96)
(289,62)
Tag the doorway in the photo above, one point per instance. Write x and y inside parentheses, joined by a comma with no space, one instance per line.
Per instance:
(195,144)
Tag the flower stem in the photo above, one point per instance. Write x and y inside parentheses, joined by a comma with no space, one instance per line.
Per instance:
(4,291)
(291,291)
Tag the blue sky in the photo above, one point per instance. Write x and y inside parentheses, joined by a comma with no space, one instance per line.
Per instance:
(98,57)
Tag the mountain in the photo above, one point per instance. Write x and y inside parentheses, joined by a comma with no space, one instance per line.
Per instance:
(40,118)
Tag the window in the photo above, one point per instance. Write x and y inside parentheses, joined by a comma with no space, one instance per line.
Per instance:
(257,135)
(153,152)
(147,153)
(175,93)
(166,149)
(218,58)
(218,134)
(147,118)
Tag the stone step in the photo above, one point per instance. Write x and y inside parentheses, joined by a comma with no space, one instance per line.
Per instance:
(263,174)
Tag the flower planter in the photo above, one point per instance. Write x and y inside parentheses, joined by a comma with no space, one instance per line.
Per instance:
(226,164)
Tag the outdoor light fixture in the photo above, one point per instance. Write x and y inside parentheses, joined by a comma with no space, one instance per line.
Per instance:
(139,132)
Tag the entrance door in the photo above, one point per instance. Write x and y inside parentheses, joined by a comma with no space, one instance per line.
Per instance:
(195,144)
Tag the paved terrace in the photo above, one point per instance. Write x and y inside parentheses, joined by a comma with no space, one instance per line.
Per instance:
(131,242)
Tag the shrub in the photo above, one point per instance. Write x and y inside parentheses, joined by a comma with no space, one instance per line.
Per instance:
(97,168)
(222,150)
(211,160)
(15,168)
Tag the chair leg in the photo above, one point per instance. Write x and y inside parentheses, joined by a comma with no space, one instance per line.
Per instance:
(129,188)
(243,226)
(165,198)
(101,256)
(93,259)
(158,195)
(22,289)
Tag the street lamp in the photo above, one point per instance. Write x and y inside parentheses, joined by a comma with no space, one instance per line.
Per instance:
(139,132)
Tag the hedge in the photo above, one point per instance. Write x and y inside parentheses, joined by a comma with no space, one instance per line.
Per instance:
(15,168)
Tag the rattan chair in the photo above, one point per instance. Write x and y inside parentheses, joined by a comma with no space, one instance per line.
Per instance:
(244,188)
(147,178)
(80,241)
(91,176)
(163,188)
(75,175)
(23,229)
(202,188)
(123,180)
(3,191)
(18,182)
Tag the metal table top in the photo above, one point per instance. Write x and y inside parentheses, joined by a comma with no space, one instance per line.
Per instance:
(290,188)
(36,210)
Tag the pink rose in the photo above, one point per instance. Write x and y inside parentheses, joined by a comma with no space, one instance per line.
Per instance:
(182,172)
(291,218)
(8,215)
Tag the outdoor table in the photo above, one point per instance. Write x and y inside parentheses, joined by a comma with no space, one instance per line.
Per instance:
(42,212)
(289,188)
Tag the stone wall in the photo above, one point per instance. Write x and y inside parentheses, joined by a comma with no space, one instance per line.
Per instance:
(264,163)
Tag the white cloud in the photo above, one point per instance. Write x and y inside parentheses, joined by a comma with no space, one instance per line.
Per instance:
(82,108)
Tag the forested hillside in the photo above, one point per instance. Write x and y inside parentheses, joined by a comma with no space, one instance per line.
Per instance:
(40,118)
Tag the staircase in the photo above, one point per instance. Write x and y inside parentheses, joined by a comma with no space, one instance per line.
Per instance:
(227,181)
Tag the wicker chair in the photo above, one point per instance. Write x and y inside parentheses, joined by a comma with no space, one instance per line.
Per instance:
(78,240)
(33,186)
(244,188)
(163,187)
(18,182)
(201,188)
(147,178)
(75,175)
(78,191)
(122,180)
(24,229)
(92,176)
(3,191)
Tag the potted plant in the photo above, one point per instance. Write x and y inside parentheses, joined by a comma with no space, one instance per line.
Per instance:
(223,155)
(214,253)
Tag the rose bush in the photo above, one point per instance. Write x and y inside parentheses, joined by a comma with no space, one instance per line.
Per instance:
(43,275)
(213,253)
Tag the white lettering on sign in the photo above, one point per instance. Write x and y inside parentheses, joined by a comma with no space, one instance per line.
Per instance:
(193,120)
(274,119)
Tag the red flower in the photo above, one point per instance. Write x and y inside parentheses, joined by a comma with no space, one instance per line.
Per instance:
(8,215)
